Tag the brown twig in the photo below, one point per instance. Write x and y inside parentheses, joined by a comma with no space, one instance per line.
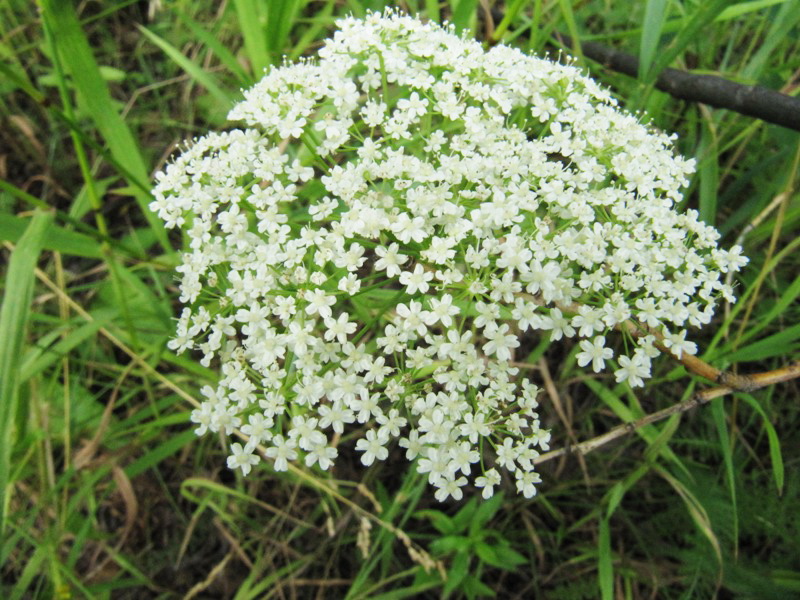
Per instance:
(762,103)
(750,100)
(755,381)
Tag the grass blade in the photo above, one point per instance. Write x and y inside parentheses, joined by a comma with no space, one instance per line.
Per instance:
(784,21)
(194,71)
(651,34)
(787,299)
(13,321)
(60,240)
(696,511)
(280,19)
(705,13)
(572,26)
(708,172)
(76,54)
(783,343)
(775,455)
(605,565)
(718,412)
(218,48)
(464,14)
(649,433)
(251,24)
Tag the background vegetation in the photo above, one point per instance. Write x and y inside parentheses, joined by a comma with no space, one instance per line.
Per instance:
(106,492)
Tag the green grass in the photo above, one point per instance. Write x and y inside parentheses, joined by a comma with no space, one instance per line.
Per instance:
(105,491)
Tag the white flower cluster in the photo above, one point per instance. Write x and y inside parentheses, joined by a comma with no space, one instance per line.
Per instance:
(398,218)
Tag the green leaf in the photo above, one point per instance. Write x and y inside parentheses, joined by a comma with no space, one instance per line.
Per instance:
(457,572)
(41,358)
(484,513)
(648,433)
(464,516)
(783,22)
(501,555)
(618,491)
(788,298)
(440,521)
(450,543)
(708,173)
(696,511)
(153,457)
(17,295)
(220,50)
(280,19)
(487,554)
(475,587)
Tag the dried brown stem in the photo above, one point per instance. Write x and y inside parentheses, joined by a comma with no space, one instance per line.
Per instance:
(753,382)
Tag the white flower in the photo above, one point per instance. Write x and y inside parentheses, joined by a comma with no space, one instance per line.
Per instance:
(678,344)
(387,284)
(319,303)
(416,280)
(242,457)
(390,260)
(373,446)
(500,341)
(594,352)
(450,486)
(526,483)
(322,455)
(442,310)
(488,481)
(633,370)
(339,328)
(281,451)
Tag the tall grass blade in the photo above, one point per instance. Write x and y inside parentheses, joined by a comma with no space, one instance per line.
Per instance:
(775,455)
(508,18)
(194,71)
(605,564)
(572,26)
(17,295)
(648,433)
(252,21)
(708,172)
(654,13)
(432,11)
(76,54)
(787,299)
(696,511)
(704,14)
(783,23)
(280,20)
(718,413)
(463,14)
(782,343)
(61,240)
(218,48)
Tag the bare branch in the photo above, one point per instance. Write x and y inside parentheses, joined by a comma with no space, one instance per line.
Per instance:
(750,100)
(755,381)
